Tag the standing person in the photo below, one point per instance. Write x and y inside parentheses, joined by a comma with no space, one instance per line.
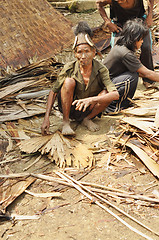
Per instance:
(120,12)
(83,87)
(124,66)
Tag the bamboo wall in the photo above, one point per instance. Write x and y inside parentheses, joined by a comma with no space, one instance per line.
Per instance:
(31,28)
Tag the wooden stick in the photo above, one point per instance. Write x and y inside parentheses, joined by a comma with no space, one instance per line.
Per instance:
(36,160)
(14,175)
(79,187)
(44,195)
(118,209)
(49,178)
(103,187)
(135,196)
(65,182)
(9,161)
(52,179)
(117,192)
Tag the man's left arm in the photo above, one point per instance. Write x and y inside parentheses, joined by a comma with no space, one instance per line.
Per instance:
(149,19)
(105,98)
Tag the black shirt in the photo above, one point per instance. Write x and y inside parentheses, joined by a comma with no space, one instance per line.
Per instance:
(121,15)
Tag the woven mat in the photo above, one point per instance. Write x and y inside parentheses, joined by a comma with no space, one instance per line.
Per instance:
(31,29)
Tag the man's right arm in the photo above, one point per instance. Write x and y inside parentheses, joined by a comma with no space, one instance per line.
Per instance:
(149,19)
(100,6)
(46,123)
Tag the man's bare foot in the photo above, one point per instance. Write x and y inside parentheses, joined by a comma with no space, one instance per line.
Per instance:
(90,125)
(67,130)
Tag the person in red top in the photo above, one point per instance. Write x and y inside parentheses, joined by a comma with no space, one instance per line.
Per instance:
(120,12)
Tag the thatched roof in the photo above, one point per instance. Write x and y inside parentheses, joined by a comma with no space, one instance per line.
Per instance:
(29,29)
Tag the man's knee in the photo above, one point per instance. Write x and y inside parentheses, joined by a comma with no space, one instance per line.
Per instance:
(132,80)
(126,82)
(69,84)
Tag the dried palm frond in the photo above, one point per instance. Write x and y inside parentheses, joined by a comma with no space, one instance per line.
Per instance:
(59,149)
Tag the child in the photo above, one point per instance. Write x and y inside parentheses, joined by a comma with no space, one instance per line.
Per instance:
(124,66)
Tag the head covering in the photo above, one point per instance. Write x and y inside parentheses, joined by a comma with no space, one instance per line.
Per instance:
(83,35)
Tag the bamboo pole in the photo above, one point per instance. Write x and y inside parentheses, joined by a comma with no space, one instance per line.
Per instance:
(89,189)
(79,187)
(114,191)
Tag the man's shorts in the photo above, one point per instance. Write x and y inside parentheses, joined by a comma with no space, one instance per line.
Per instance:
(74,114)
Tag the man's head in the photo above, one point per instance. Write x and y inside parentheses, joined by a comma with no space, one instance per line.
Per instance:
(83,34)
(83,46)
(85,54)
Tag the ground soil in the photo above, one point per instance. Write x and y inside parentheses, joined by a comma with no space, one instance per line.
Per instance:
(73,216)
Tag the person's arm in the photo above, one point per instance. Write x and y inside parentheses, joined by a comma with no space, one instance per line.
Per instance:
(82,104)
(100,6)
(149,19)
(46,123)
(147,73)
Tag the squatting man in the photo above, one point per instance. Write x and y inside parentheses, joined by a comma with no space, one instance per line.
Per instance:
(83,87)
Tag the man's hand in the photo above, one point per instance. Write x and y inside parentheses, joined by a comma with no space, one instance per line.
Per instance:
(112,27)
(82,104)
(45,127)
(149,21)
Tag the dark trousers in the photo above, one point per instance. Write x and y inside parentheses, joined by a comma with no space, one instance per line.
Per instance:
(126,85)
(146,56)
(74,114)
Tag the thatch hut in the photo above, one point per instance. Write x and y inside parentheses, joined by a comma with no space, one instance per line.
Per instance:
(31,28)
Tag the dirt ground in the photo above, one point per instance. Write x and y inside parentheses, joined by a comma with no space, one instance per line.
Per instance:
(73,216)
